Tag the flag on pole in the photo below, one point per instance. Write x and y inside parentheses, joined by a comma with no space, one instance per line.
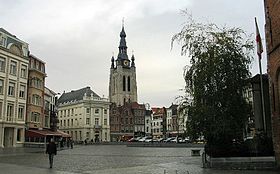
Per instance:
(258,40)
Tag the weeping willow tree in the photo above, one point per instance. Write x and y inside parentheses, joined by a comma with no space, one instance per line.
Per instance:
(215,80)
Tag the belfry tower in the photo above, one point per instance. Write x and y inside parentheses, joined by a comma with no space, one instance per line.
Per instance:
(122,85)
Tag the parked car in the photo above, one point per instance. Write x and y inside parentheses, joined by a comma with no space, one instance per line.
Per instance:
(132,140)
(175,140)
(169,139)
(143,139)
(149,139)
(187,140)
(160,140)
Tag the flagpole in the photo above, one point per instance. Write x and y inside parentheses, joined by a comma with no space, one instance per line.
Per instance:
(262,95)
(259,52)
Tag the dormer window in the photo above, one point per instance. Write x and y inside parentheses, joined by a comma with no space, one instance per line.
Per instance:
(2,40)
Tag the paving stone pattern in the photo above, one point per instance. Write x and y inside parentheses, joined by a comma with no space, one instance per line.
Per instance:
(109,159)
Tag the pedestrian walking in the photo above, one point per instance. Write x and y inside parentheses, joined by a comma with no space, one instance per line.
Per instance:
(71,143)
(68,143)
(51,150)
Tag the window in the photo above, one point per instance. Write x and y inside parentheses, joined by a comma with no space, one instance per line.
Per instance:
(1,86)
(19,134)
(88,110)
(10,112)
(123,83)
(96,121)
(20,112)
(47,121)
(36,100)
(36,82)
(1,104)
(22,91)
(105,111)
(23,71)
(2,64)
(11,91)
(105,121)
(87,121)
(128,83)
(13,68)
(35,117)
(43,68)
(72,123)
(3,41)
(96,111)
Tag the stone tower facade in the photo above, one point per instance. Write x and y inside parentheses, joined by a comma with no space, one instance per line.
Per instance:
(122,85)
(272,19)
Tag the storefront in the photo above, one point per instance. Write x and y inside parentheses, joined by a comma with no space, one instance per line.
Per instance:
(40,138)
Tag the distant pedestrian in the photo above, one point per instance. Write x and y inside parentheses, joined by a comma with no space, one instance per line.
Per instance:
(51,150)
(71,143)
(68,143)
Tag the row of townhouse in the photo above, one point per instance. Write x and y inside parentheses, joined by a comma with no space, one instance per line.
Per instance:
(167,122)
(138,120)
(24,104)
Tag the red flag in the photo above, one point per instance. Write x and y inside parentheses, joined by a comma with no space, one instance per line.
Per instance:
(258,40)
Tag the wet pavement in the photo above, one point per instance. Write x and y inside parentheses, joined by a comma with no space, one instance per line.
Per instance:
(109,159)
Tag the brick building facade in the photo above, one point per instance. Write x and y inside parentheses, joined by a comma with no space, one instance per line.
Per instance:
(272,29)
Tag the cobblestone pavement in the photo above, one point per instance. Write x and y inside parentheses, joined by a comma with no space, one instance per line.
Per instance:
(109,159)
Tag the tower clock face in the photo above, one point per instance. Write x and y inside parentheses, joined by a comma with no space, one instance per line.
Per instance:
(126,63)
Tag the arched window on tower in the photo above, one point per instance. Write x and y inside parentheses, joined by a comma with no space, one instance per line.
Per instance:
(123,83)
(128,83)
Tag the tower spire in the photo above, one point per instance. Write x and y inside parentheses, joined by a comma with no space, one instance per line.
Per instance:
(122,47)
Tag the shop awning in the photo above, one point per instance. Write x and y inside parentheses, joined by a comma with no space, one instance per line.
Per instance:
(63,134)
(44,133)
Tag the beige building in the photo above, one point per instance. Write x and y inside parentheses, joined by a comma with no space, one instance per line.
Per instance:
(84,115)
(13,89)
(35,118)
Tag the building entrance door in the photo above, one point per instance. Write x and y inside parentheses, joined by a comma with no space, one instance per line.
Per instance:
(8,136)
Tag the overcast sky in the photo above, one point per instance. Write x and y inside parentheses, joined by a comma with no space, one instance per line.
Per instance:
(77,38)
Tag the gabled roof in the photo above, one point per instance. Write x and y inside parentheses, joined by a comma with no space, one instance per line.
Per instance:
(76,95)
(135,105)
(157,111)
(173,107)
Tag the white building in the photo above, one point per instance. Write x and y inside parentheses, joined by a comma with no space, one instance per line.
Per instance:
(84,115)
(49,107)
(159,122)
(148,123)
(13,89)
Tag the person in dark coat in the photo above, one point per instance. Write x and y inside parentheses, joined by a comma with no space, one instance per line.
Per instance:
(51,150)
